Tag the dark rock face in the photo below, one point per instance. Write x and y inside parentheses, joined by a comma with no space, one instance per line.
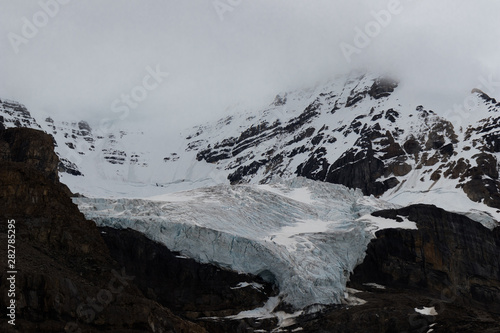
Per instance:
(29,147)
(246,170)
(63,264)
(67,166)
(382,88)
(393,310)
(447,252)
(186,287)
(362,174)
(451,264)
(84,127)
(232,147)
(362,169)
(484,96)
(377,154)
(279,100)
(482,182)
(362,165)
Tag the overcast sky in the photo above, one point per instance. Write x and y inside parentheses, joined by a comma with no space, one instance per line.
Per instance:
(84,55)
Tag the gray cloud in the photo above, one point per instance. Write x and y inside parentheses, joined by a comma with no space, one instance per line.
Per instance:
(91,52)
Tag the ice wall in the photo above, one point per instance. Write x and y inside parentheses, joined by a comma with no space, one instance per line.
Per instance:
(302,233)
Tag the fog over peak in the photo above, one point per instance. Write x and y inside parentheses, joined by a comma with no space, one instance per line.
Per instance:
(87,55)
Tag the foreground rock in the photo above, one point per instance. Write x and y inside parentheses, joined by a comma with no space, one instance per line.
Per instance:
(188,288)
(393,310)
(449,267)
(448,253)
(66,280)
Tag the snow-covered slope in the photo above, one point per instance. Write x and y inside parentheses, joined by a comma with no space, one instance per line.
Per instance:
(305,235)
(97,161)
(362,131)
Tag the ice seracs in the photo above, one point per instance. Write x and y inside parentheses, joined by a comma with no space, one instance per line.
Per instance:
(304,235)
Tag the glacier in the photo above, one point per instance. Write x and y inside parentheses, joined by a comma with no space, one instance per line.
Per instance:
(303,235)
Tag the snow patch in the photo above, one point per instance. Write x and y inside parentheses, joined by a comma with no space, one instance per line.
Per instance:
(350,299)
(264,312)
(254,285)
(376,223)
(302,194)
(427,311)
(374,285)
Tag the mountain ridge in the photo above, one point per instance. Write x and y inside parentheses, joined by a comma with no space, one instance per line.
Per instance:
(382,148)
(359,131)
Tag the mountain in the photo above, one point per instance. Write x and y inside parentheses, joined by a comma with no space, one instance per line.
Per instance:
(363,132)
(83,151)
(320,200)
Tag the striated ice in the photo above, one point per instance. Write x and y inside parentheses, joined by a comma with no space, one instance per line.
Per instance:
(306,236)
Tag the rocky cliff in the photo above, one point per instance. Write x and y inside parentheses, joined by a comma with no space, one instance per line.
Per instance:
(447,252)
(190,289)
(75,277)
(449,266)
(66,278)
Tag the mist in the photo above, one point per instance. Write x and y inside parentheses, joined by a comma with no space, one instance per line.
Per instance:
(83,58)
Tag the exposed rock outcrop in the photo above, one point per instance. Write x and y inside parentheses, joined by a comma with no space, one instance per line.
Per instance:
(447,252)
(29,147)
(183,285)
(392,310)
(66,279)
(451,265)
